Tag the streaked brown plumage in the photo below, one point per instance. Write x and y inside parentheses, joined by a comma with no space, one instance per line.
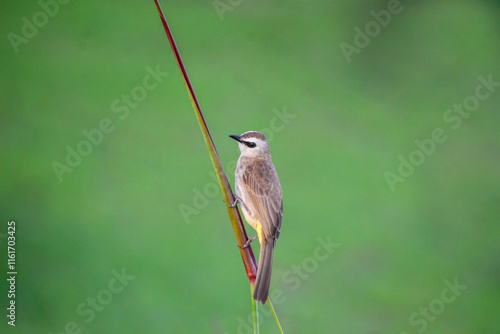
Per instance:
(258,187)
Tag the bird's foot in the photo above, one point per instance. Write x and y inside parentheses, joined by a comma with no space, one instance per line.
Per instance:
(247,243)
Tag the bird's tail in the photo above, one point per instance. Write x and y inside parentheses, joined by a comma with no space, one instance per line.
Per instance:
(263,279)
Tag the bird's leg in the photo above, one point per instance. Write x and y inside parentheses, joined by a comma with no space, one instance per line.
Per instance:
(248,242)
(236,201)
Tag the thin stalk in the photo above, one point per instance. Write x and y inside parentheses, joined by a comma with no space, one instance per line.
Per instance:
(274,314)
(255,312)
(227,193)
(234,214)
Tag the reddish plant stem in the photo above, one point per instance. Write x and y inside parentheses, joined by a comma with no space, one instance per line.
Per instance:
(234,214)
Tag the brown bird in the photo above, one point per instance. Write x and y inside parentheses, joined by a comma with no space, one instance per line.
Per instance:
(259,192)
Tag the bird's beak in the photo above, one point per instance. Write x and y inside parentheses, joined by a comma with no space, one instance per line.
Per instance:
(236,137)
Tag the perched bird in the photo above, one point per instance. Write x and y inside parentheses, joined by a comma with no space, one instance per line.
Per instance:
(259,192)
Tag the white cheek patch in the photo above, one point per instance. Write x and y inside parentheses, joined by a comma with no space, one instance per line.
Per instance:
(258,150)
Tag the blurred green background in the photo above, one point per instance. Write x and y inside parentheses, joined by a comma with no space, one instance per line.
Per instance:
(143,201)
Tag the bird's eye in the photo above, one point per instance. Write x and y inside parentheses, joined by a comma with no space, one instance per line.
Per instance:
(250,144)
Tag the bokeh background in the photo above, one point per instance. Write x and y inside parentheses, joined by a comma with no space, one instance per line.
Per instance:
(143,201)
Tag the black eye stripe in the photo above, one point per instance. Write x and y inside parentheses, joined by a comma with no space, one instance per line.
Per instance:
(250,144)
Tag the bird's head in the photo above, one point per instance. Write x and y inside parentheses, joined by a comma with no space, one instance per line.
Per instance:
(252,144)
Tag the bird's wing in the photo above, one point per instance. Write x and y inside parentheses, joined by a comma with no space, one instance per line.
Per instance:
(264,194)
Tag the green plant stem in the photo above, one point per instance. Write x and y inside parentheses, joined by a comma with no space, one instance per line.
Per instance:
(255,309)
(274,314)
